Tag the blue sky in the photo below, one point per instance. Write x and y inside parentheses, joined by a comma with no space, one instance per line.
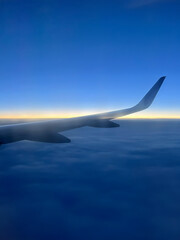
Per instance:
(77,57)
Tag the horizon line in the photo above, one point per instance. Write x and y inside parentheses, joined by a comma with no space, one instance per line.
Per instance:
(26,117)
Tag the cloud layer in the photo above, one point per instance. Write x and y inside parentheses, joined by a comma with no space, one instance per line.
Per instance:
(121,183)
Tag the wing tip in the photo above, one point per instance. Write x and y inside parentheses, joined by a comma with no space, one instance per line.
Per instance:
(162,79)
(160,82)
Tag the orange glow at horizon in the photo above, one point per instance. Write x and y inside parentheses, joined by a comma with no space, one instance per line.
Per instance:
(53,115)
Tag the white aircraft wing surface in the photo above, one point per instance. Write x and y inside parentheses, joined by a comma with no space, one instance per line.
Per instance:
(48,131)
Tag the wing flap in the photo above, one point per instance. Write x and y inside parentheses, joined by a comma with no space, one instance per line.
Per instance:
(48,138)
(43,137)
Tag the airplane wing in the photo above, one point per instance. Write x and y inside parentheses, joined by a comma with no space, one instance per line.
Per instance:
(48,131)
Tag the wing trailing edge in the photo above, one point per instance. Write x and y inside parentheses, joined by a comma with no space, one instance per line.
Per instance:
(46,137)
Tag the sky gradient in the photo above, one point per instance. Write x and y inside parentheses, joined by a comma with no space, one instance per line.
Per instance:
(69,58)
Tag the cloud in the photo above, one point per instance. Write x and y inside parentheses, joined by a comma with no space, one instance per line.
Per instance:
(107,184)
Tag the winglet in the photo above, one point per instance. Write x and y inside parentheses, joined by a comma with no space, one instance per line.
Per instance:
(149,97)
(143,104)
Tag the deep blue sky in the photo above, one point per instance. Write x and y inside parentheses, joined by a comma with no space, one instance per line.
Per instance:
(83,56)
